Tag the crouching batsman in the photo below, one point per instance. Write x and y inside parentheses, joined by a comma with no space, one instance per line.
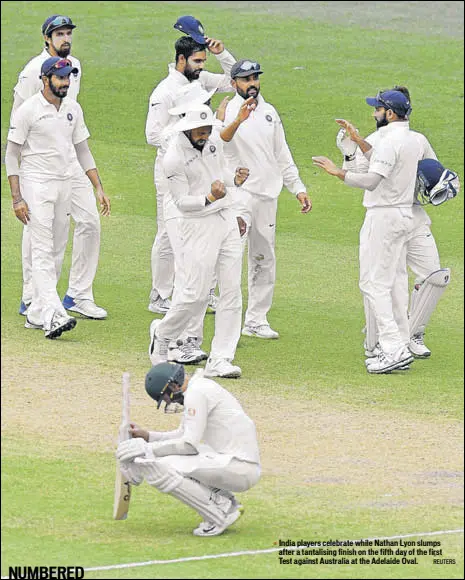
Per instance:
(201,475)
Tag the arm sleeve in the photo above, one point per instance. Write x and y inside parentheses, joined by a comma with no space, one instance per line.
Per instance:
(428,151)
(12,153)
(164,435)
(220,82)
(179,187)
(159,123)
(84,156)
(368,181)
(194,425)
(285,160)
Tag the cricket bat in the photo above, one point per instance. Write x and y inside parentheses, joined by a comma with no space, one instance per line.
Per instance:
(122,486)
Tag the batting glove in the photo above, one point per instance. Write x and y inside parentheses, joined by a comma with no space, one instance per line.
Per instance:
(130,449)
(345,144)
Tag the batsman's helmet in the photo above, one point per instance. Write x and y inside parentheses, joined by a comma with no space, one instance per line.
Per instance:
(54,22)
(435,183)
(159,379)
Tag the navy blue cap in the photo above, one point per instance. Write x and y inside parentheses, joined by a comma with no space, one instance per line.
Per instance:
(54,22)
(61,67)
(245,68)
(394,100)
(192,27)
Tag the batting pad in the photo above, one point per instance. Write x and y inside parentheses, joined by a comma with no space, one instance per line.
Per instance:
(211,506)
(424,300)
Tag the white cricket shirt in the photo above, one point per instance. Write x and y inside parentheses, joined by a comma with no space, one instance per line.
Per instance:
(159,124)
(212,415)
(190,174)
(395,157)
(48,137)
(29,81)
(260,144)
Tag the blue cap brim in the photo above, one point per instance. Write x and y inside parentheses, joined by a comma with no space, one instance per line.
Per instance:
(373,102)
(65,71)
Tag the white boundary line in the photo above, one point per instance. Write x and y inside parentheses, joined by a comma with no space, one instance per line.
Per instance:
(247,553)
(250,552)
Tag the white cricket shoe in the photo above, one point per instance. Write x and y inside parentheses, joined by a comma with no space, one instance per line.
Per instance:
(221,367)
(187,352)
(60,323)
(417,346)
(158,348)
(212,302)
(157,304)
(85,307)
(370,353)
(385,363)
(261,331)
(29,324)
(211,529)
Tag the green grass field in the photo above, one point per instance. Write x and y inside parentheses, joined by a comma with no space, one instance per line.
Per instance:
(346,455)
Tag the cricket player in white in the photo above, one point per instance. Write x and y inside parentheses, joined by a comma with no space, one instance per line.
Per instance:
(213,453)
(422,255)
(189,66)
(389,192)
(208,241)
(57,31)
(260,144)
(48,133)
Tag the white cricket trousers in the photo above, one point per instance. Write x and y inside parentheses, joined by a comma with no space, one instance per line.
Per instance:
(383,240)
(162,260)
(49,208)
(206,245)
(422,257)
(260,238)
(86,242)
(195,325)
(215,470)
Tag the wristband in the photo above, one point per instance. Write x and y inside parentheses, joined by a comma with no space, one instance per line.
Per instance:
(209,198)
(18,201)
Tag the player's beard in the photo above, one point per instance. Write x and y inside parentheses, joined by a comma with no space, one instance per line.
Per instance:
(59,92)
(63,51)
(199,145)
(382,122)
(191,75)
(251,91)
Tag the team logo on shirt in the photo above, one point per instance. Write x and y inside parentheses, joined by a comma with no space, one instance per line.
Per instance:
(269,118)
(69,116)
(212,148)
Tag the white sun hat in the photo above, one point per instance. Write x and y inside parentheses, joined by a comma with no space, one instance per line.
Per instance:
(201,116)
(189,96)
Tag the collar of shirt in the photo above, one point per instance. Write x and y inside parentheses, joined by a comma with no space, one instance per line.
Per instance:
(396,126)
(179,76)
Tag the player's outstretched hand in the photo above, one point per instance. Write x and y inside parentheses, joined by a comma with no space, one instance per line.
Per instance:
(350,129)
(221,110)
